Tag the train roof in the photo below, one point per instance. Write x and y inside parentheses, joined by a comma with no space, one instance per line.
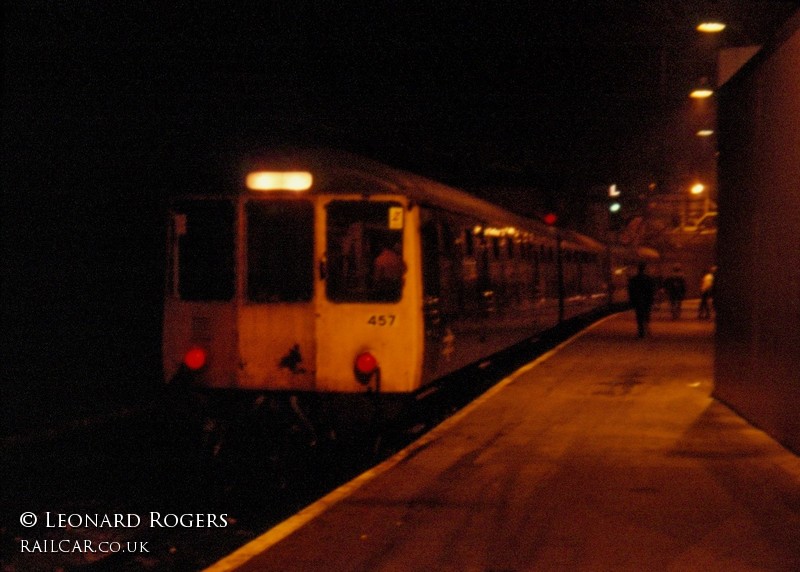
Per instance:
(337,171)
(342,172)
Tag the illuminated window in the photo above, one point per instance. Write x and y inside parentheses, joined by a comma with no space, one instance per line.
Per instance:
(365,251)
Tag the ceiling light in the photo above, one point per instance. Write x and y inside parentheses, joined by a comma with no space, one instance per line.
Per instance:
(711,27)
(701,93)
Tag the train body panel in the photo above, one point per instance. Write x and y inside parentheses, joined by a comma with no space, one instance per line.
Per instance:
(211,328)
(277,347)
(358,312)
(483,287)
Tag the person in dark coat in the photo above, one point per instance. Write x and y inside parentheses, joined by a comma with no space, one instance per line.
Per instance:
(641,292)
(706,294)
(675,286)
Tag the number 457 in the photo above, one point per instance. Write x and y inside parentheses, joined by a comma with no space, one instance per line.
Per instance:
(381,320)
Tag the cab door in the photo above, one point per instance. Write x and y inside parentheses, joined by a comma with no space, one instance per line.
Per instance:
(368,294)
(276,320)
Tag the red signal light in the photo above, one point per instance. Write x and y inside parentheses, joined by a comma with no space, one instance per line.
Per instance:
(195,358)
(550,219)
(366,364)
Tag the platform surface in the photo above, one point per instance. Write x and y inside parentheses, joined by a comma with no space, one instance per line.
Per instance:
(607,454)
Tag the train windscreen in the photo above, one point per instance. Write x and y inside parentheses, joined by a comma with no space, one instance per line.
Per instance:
(202,261)
(280,251)
(365,251)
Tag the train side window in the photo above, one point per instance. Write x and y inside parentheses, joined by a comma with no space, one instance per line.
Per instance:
(202,244)
(365,251)
(449,241)
(496,248)
(469,246)
(431,279)
(280,251)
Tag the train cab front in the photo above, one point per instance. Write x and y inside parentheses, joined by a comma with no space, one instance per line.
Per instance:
(296,290)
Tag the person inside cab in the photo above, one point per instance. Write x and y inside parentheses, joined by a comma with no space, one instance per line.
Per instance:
(388,271)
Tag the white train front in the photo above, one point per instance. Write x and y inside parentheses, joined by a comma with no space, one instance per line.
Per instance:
(325,273)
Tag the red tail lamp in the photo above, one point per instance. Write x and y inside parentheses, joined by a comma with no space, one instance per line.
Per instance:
(195,358)
(366,364)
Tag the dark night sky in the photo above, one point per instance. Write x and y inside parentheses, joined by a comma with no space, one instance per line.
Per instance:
(549,90)
(105,101)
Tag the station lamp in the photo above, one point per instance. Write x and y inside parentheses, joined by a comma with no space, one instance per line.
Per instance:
(702,89)
(710,27)
(701,93)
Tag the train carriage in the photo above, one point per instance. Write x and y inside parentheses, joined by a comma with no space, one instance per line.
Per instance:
(319,273)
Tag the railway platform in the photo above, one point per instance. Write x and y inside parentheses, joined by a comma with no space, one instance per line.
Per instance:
(607,453)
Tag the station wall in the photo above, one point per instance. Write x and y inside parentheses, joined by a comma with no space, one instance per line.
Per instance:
(757,361)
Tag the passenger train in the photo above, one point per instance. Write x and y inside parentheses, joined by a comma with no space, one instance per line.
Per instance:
(320,277)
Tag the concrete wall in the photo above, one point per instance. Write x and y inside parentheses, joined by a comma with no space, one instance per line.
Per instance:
(758,294)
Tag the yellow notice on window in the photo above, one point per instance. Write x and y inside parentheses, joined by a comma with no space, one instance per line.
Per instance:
(395,218)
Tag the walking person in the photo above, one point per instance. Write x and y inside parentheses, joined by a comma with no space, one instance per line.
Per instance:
(641,292)
(706,294)
(675,285)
